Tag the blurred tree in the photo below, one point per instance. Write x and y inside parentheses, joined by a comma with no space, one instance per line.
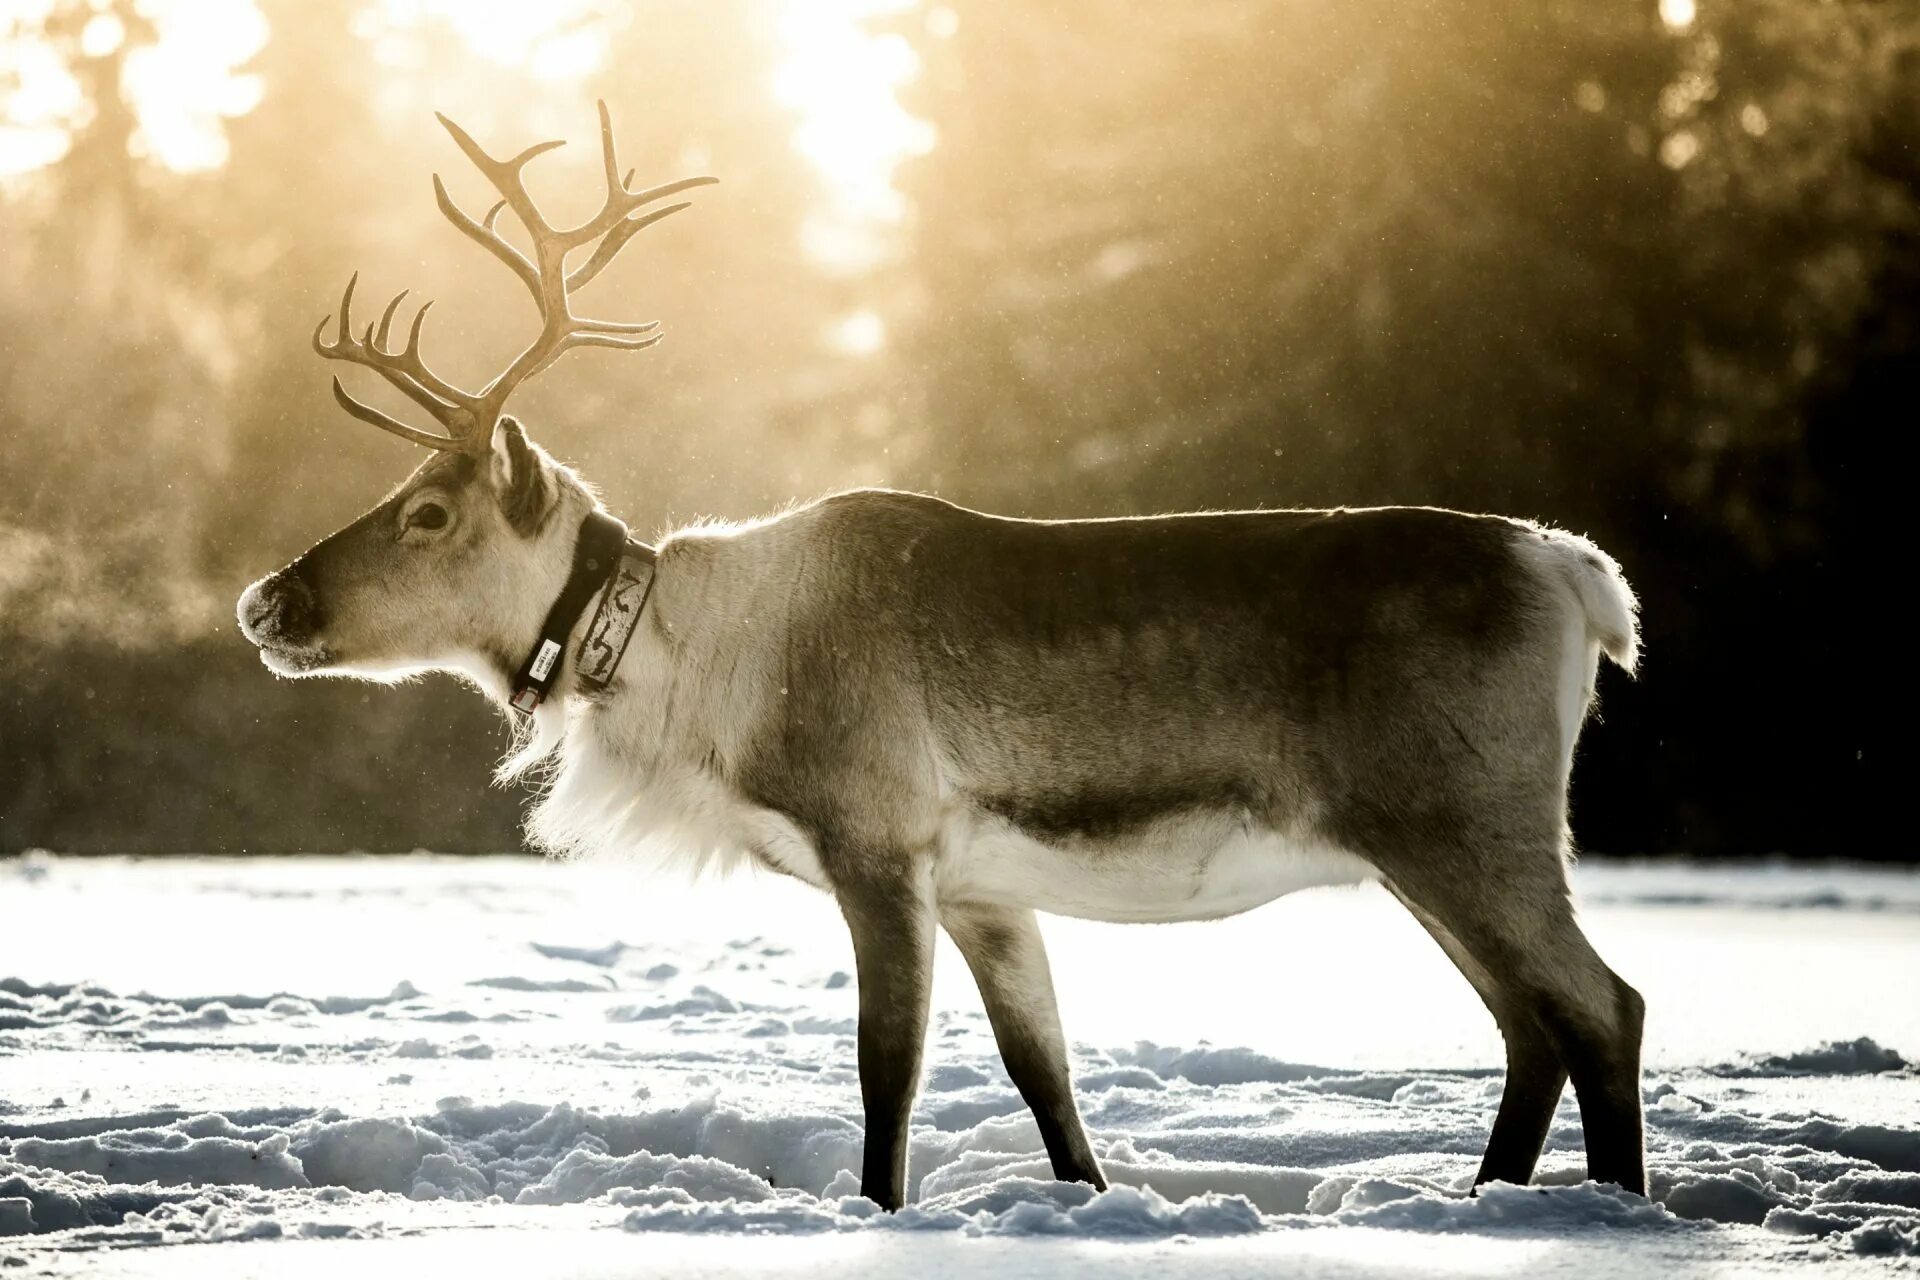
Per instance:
(1566,261)
(111,400)
(173,436)
(1651,277)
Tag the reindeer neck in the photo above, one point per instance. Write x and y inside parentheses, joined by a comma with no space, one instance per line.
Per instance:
(606,562)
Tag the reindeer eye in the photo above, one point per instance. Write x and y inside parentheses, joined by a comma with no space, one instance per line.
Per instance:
(428,515)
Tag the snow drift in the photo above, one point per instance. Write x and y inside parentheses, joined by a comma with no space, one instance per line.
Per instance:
(704,1085)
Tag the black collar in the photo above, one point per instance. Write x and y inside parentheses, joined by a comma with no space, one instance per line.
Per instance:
(600,550)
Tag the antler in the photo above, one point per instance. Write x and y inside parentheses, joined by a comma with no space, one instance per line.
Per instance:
(469,418)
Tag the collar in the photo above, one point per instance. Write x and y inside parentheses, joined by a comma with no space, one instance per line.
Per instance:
(604,557)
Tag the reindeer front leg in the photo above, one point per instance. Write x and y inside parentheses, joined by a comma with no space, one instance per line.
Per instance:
(891,916)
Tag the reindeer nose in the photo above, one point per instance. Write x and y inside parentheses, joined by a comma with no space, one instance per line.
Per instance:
(278,607)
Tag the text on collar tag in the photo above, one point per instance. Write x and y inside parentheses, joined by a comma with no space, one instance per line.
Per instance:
(543,661)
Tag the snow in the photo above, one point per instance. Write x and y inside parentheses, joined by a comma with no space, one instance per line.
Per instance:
(1836,1057)
(449,1064)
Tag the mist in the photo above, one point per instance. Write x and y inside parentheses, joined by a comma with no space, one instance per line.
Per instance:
(1648,273)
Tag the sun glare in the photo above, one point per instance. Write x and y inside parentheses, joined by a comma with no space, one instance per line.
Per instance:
(188,77)
(43,103)
(1677,14)
(186,84)
(560,40)
(184,74)
(182,84)
(840,78)
(859,333)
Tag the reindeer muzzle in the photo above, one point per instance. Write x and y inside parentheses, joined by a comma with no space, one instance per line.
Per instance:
(279,612)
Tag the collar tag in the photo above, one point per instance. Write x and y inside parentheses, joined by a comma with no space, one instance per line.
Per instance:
(617,617)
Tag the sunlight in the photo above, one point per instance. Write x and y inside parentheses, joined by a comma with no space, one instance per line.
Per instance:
(183,82)
(561,40)
(860,333)
(1427,1253)
(186,83)
(37,112)
(1677,14)
(840,78)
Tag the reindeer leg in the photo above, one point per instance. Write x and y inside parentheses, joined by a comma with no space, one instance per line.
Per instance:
(1555,999)
(1535,1076)
(891,918)
(1002,946)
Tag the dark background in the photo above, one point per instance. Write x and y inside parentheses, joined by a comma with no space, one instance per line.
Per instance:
(1652,275)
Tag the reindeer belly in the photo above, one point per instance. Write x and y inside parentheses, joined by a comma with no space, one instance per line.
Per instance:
(1193,867)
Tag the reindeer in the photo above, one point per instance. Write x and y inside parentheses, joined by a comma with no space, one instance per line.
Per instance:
(952,720)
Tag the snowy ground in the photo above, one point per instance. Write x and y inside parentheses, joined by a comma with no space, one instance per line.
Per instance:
(292,1067)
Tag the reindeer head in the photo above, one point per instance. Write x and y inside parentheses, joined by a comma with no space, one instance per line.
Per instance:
(457,568)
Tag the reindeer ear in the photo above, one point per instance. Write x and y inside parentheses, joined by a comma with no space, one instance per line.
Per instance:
(521,479)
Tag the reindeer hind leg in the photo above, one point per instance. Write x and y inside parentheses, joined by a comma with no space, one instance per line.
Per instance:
(1563,1012)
